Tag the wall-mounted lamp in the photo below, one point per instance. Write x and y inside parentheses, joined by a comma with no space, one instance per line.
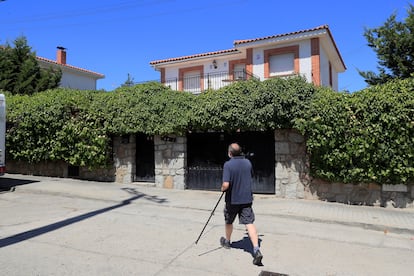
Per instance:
(215,64)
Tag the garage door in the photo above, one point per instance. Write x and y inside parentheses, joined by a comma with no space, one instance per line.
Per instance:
(207,153)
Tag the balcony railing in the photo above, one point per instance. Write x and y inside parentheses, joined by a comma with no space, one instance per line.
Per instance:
(198,83)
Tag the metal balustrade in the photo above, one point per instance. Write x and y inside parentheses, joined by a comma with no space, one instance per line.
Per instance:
(198,83)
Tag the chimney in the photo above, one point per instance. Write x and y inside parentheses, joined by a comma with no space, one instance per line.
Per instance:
(61,55)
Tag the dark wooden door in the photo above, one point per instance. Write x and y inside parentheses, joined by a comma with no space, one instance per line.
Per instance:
(145,161)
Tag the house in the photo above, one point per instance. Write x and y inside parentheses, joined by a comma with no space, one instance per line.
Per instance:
(311,53)
(278,156)
(72,76)
(194,160)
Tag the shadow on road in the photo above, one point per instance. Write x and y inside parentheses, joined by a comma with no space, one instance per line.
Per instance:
(55,226)
(245,244)
(9,184)
(155,199)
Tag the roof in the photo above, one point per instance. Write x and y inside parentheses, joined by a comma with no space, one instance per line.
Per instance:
(238,43)
(215,53)
(96,75)
(322,27)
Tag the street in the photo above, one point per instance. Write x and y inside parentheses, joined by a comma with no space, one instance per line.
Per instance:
(112,229)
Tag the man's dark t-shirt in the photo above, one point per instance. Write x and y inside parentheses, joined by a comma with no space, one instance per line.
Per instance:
(238,172)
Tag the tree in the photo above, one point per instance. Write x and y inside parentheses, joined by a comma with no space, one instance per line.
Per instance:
(129,82)
(394,45)
(20,72)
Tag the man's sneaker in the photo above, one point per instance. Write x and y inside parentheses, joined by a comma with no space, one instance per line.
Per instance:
(225,243)
(257,258)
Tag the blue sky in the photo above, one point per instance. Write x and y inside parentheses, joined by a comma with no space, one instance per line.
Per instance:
(117,38)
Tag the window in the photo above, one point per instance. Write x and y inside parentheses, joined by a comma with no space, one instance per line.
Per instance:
(281,61)
(191,79)
(239,72)
(281,65)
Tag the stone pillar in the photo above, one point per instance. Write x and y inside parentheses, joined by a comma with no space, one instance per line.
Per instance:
(124,158)
(291,172)
(170,161)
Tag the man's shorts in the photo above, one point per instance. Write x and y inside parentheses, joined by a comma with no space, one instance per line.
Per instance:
(244,211)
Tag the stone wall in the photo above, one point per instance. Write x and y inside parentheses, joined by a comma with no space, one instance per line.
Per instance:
(124,150)
(293,181)
(45,168)
(170,161)
(370,194)
(121,170)
(60,169)
(291,168)
(291,172)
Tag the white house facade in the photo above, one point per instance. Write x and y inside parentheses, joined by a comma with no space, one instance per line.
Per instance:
(311,53)
(72,77)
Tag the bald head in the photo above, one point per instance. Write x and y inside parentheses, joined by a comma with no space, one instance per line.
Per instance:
(235,149)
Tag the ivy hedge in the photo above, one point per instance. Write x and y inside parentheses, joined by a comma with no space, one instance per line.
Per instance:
(55,125)
(359,137)
(367,136)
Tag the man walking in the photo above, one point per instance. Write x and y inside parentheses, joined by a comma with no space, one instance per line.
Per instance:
(237,183)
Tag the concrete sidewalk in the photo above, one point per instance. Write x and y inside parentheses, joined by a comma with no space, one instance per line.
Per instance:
(375,218)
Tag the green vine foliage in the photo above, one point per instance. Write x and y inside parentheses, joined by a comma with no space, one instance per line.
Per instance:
(367,136)
(77,126)
(149,108)
(55,125)
(252,105)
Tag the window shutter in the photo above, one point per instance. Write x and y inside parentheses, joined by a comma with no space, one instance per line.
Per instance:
(282,64)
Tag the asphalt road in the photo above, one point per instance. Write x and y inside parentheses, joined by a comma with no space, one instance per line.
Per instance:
(143,230)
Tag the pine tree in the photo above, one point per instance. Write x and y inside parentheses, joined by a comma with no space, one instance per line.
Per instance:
(20,72)
(394,45)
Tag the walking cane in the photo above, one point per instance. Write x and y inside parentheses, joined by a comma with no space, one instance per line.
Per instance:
(212,213)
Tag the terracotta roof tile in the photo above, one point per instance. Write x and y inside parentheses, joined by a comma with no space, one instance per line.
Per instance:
(155,62)
(238,42)
(98,75)
(322,27)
